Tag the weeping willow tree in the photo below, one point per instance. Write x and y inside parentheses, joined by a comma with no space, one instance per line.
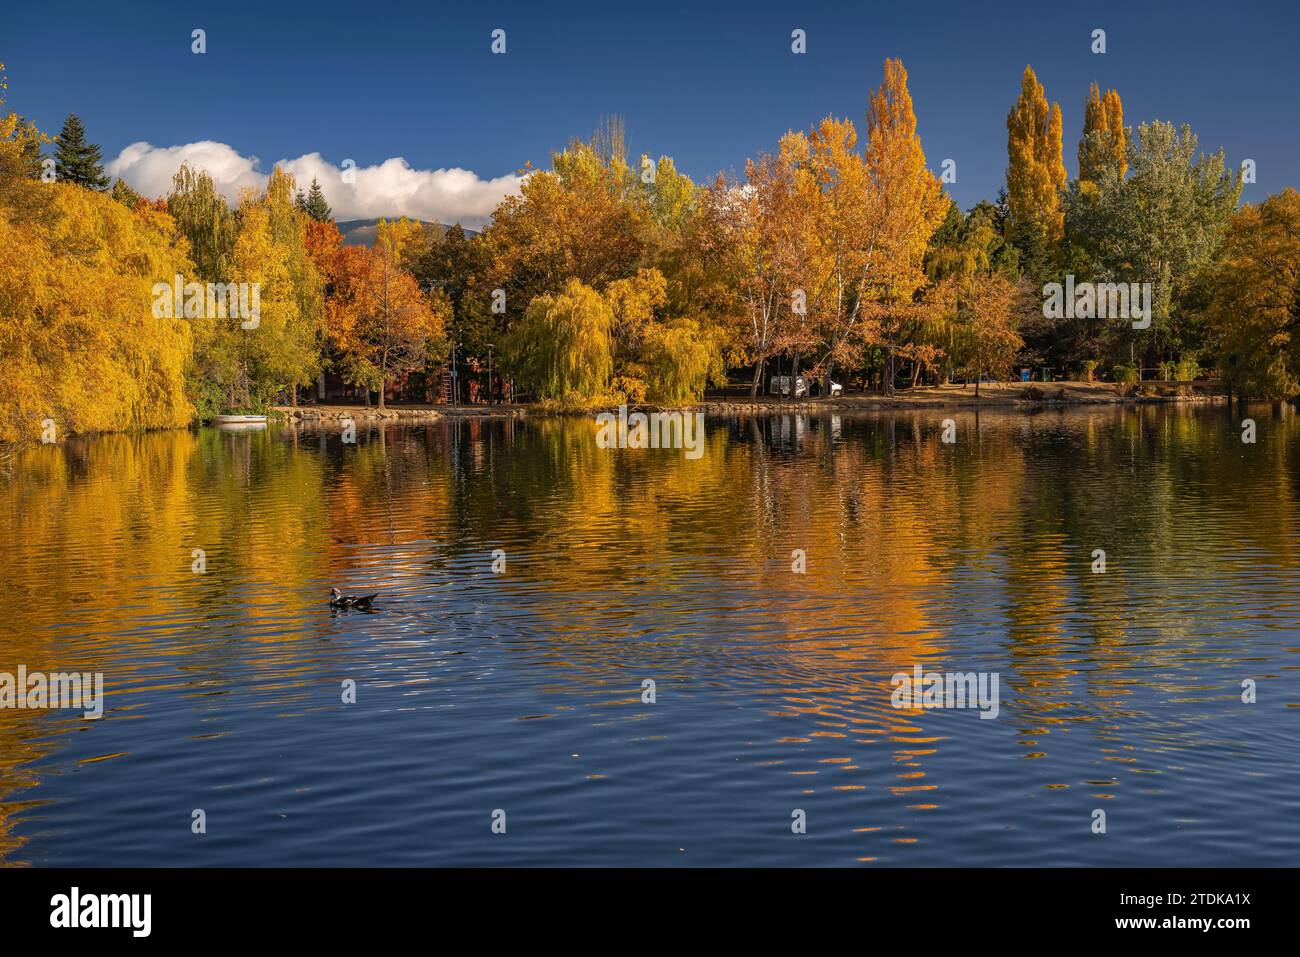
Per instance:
(681,357)
(561,349)
(80,350)
(662,360)
(206,220)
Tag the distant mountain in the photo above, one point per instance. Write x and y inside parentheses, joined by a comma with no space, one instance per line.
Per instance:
(361,232)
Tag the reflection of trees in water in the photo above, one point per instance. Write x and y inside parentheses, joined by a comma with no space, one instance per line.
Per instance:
(916,550)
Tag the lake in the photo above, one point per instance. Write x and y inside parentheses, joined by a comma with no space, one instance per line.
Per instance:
(519,697)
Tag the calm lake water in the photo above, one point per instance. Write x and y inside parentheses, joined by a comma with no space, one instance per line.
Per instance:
(522,691)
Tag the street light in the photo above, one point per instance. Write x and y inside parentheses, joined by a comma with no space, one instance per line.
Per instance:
(454,347)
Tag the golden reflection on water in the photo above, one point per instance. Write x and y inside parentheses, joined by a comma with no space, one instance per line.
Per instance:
(916,552)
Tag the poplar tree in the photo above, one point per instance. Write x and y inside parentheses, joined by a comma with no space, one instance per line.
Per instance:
(1104,144)
(1035,174)
(906,206)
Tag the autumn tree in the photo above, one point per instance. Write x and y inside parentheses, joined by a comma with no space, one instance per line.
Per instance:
(749,234)
(579,220)
(969,256)
(839,241)
(79,344)
(20,159)
(1253,313)
(595,218)
(985,313)
(659,357)
(246,361)
(1035,176)
(562,347)
(906,205)
(379,319)
(205,219)
(1104,144)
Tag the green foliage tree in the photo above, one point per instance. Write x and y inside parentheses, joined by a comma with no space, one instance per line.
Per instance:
(77,161)
(1160,224)
(239,365)
(315,205)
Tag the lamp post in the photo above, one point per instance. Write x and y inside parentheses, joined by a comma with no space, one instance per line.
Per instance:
(452,397)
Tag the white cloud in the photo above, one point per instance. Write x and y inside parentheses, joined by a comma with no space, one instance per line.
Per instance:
(391,188)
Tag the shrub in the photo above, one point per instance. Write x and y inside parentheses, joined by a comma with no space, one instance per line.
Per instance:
(1124,374)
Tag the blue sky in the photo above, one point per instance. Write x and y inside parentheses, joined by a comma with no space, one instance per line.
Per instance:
(707,83)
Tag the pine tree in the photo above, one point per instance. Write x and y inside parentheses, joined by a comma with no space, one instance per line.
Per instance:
(1104,143)
(316,207)
(75,160)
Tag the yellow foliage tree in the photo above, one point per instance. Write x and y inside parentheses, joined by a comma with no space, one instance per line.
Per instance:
(562,347)
(1036,171)
(908,200)
(751,235)
(669,361)
(1253,312)
(79,346)
(1104,144)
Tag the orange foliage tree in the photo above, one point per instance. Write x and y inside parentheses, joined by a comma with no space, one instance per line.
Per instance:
(379,320)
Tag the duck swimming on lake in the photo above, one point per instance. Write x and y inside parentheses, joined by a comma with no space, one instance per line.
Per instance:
(340,600)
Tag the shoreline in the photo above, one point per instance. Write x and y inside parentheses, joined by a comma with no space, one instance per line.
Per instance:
(1000,396)
(1026,397)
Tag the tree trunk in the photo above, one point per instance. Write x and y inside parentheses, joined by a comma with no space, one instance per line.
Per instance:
(758,375)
